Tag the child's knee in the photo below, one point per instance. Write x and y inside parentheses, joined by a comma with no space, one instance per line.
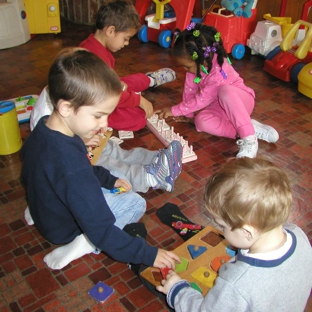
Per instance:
(202,123)
(225,92)
(138,207)
(140,203)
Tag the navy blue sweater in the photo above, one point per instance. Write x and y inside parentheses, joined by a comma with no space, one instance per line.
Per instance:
(65,198)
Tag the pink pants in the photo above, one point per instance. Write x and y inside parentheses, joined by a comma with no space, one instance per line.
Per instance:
(229,115)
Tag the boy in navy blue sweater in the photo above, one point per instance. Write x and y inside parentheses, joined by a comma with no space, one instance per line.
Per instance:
(64,192)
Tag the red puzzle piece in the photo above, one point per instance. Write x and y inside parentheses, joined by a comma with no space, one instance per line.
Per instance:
(164,272)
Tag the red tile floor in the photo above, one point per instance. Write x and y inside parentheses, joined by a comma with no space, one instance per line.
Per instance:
(27,284)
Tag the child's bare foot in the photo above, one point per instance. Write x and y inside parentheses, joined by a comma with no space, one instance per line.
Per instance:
(184,119)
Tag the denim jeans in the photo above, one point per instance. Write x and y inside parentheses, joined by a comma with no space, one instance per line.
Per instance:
(127,207)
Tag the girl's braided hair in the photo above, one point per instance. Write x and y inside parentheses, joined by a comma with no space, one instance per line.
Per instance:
(199,42)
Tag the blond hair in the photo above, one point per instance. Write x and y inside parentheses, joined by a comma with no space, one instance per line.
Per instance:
(249,191)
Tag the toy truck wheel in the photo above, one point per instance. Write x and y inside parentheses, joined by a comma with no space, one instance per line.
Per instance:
(295,71)
(165,38)
(238,51)
(272,53)
(142,34)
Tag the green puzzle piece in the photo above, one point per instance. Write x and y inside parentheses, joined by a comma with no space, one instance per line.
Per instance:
(180,267)
(196,287)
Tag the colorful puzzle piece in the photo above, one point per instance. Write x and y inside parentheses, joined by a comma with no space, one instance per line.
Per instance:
(205,276)
(180,267)
(231,251)
(166,134)
(196,251)
(217,262)
(198,271)
(101,292)
(164,272)
(196,287)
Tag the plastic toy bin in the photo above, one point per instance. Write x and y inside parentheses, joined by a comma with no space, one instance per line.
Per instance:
(10,135)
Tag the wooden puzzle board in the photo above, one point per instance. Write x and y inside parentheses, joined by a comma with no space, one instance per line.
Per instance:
(98,149)
(198,266)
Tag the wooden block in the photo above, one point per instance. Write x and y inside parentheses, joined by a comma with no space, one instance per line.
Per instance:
(98,149)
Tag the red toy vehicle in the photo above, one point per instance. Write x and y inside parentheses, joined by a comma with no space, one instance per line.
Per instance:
(285,62)
(160,26)
(234,30)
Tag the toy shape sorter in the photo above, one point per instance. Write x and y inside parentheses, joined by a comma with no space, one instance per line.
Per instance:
(201,258)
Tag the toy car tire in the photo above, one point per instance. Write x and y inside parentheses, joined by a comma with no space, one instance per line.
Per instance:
(295,71)
(142,34)
(238,51)
(165,38)
(272,53)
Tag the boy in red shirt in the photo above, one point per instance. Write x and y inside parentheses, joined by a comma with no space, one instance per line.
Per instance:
(116,23)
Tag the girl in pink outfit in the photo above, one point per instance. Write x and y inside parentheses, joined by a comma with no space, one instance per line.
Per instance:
(214,94)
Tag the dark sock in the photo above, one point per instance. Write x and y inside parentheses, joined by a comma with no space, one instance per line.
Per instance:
(136,229)
(169,214)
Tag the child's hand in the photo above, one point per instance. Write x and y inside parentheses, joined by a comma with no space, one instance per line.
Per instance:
(171,279)
(164,113)
(94,141)
(123,183)
(166,259)
(147,106)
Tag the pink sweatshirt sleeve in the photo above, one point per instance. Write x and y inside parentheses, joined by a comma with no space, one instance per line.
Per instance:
(205,93)
(195,96)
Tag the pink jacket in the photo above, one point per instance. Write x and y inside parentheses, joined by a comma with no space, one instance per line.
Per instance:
(204,94)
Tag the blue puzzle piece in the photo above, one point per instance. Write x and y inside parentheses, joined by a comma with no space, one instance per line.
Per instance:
(231,251)
(196,251)
(101,292)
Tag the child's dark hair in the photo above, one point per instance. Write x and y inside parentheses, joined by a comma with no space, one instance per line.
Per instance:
(199,42)
(82,78)
(118,13)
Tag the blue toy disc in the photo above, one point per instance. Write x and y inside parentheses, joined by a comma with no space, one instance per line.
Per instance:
(238,51)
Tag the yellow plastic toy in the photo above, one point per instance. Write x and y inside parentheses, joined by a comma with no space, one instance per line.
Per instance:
(43,16)
(10,135)
(160,8)
(284,22)
(304,45)
(305,80)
